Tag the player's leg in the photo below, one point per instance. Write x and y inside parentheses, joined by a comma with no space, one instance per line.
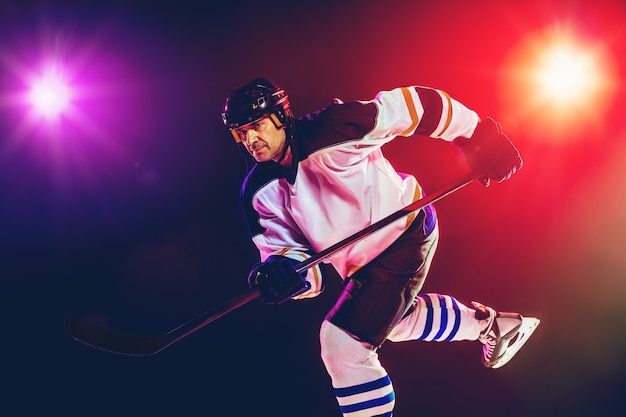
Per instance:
(361,384)
(437,317)
(381,293)
(371,304)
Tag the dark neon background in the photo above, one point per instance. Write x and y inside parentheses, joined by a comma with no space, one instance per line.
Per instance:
(126,208)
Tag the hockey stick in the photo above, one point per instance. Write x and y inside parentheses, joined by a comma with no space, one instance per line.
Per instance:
(101,338)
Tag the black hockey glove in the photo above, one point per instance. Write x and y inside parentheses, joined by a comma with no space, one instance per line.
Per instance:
(490,152)
(277,279)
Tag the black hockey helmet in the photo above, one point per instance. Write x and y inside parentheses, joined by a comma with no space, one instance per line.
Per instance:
(255,100)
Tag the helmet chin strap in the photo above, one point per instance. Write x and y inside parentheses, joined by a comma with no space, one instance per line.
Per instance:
(288,137)
(287,144)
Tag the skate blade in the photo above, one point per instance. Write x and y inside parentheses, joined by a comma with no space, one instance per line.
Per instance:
(529,324)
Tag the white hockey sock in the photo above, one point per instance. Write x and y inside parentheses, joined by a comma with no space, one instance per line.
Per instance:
(437,317)
(361,384)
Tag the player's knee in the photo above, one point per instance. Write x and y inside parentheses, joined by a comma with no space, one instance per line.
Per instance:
(339,350)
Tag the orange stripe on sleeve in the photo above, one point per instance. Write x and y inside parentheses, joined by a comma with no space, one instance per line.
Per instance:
(416,196)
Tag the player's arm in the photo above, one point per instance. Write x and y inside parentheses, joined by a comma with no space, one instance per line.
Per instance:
(425,111)
(430,112)
(282,247)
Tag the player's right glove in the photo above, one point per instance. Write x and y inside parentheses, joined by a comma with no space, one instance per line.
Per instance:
(490,152)
(277,279)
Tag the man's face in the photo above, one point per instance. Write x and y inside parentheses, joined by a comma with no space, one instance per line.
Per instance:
(262,139)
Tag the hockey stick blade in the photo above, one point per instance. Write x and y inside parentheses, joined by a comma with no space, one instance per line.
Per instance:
(92,335)
(101,338)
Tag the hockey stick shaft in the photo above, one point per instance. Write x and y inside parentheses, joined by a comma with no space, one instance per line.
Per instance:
(239,300)
(94,336)
(374,227)
(319,257)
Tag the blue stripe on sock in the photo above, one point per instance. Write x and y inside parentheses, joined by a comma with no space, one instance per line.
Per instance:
(457,320)
(361,388)
(368,404)
(443,323)
(389,414)
(429,317)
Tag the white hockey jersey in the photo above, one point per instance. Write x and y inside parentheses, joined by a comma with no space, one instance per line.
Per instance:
(340,182)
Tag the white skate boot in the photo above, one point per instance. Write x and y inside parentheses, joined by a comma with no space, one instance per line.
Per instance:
(504,335)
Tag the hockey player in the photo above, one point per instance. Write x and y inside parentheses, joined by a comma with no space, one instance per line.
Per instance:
(321,178)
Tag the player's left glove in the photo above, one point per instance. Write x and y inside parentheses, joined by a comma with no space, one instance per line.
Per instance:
(490,152)
(277,279)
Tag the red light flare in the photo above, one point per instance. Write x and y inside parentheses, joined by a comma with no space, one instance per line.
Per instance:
(558,86)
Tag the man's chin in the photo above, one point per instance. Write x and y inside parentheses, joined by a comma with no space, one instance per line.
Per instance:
(260,158)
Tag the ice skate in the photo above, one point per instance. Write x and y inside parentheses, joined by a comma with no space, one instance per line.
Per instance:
(504,335)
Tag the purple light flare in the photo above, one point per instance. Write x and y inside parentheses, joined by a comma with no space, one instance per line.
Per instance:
(50,94)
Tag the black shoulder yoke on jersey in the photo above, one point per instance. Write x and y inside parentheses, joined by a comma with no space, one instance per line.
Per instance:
(333,125)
